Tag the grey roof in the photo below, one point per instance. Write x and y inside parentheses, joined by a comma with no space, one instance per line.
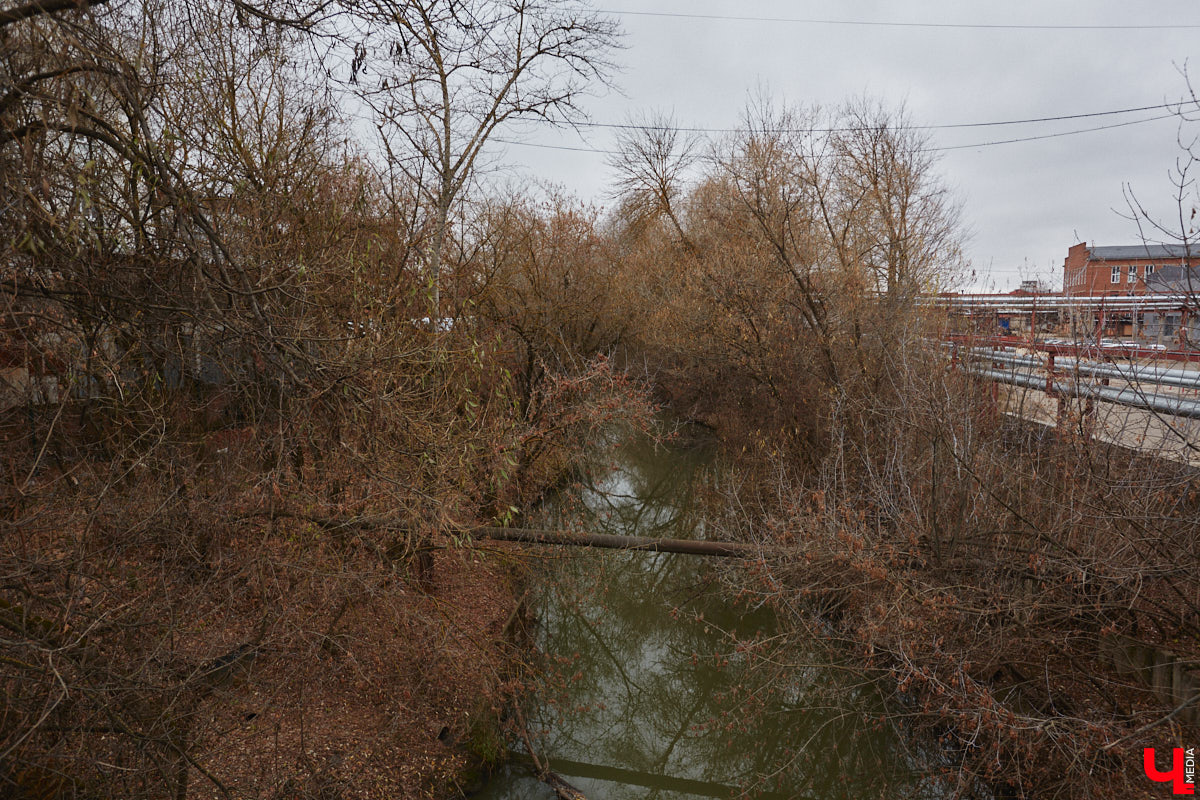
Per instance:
(1174,279)
(1126,252)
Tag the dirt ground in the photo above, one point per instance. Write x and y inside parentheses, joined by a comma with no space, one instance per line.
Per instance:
(401,701)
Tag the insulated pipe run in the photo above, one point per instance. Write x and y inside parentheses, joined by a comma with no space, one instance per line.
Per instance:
(1161,376)
(1150,372)
(1169,302)
(1172,405)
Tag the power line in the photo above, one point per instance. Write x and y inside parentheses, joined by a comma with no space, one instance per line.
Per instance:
(1051,135)
(929,149)
(556,146)
(948,126)
(853,128)
(882,24)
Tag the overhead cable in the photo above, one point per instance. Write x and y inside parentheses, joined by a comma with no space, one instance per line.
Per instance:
(886,24)
(851,128)
(927,149)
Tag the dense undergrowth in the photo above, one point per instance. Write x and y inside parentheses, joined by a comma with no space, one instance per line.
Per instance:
(996,583)
(1014,584)
(256,370)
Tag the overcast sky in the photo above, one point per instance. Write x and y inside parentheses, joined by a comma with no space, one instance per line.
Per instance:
(1024,203)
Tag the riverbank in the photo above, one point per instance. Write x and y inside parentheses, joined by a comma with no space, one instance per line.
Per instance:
(982,588)
(401,699)
(278,659)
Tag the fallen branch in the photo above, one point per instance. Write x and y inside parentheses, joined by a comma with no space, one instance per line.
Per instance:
(698,547)
(562,789)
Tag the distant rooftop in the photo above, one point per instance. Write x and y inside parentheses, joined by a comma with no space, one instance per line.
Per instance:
(1124,252)
(1174,278)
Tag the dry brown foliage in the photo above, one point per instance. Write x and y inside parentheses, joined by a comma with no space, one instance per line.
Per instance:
(987,570)
(233,438)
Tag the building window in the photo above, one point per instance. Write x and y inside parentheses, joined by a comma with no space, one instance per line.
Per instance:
(1133,273)
(1149,271)
(1116,274)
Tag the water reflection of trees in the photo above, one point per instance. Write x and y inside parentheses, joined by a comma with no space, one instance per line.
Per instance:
(656,671)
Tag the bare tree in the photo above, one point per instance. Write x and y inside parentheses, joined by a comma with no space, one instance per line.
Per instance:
(906,225)
(202,310)
(442,77)
(652,162)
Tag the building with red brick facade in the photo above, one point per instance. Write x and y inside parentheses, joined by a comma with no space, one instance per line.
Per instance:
(1090,271)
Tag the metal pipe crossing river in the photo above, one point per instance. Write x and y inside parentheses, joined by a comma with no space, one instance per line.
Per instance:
(1108,302)
(1045,379)
(1173,405)
(1133,373)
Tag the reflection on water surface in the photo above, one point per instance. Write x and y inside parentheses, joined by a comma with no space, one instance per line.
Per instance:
(664,687)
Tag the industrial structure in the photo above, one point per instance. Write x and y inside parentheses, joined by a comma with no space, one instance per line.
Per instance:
(1147,295)
(1123,269)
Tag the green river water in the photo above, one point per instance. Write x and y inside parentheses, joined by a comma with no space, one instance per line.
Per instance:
(649,695)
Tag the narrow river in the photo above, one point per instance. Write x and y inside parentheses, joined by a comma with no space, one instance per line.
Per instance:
(663,686)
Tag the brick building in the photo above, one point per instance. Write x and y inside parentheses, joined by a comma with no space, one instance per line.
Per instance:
(1091,271)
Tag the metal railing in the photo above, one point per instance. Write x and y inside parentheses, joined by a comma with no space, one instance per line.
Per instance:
(1043,374)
